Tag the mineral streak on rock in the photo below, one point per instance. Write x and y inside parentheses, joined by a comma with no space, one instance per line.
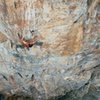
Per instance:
(65,65)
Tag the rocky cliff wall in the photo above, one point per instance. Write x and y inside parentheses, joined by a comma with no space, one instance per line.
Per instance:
(66,65)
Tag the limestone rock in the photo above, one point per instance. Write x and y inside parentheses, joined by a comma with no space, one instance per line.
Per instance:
(66,66)
(3,38)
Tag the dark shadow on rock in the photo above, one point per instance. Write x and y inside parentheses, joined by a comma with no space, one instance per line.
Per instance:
(35,93)
(1,97)
(38,43)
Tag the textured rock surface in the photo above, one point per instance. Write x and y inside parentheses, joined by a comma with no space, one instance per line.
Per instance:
(67,66)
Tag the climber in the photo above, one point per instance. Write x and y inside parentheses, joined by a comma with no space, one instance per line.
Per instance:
(27,42)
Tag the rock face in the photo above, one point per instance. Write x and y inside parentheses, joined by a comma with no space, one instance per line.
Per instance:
(66,66)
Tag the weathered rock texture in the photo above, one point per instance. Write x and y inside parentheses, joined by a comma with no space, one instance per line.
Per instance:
(66,66)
